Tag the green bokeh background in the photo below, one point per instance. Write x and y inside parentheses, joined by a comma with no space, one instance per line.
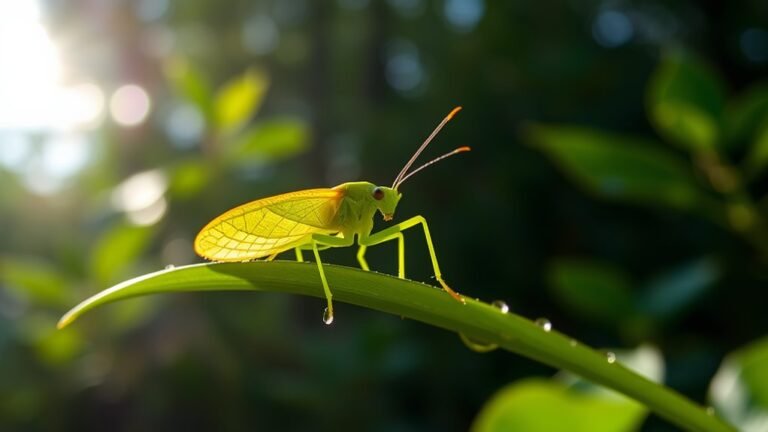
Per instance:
(615,186)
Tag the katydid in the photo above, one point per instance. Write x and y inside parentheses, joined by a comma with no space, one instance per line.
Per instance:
(317,219)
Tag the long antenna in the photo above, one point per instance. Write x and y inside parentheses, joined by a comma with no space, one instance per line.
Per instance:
(435,160)
(450,115)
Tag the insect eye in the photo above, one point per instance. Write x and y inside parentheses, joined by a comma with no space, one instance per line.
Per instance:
(378,194)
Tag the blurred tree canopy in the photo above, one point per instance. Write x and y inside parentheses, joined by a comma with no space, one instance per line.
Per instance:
(616,186)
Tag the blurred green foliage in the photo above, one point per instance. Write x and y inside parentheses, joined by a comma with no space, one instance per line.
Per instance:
(660,108)
(569,403)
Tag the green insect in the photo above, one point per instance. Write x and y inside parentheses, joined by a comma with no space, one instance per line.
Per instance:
(318,219)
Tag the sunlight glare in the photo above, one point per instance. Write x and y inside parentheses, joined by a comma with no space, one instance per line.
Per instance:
(32,95)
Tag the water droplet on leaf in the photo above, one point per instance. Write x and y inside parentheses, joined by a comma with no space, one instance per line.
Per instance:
(611,357)
(170,267)
(477,346)
(544,324)
(500,305)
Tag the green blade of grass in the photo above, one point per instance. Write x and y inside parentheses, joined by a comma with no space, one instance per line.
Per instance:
(476,320)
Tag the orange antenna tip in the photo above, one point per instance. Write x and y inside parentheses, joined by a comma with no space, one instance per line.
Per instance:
(463,149)
(453,113)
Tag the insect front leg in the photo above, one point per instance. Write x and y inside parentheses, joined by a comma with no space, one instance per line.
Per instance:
(361,258)
(400,253)
(320,241)
(395,230)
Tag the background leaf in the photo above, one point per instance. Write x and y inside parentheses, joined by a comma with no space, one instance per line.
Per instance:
(270,140)
(596,291)
(35,280)
(739,390)
(239,99)
(190,83)
(685,102)
(116,251)
(618,167)
(188,178)
(540,405)
(747,114)
(667,294)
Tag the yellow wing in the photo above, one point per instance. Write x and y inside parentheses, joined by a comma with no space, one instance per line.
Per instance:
(269,226)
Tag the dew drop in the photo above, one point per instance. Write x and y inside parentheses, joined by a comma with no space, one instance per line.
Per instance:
(170,267)
(327,316)
(500,305)
(477,346)
(573,342)
(544,324)
(611,357)
(710,411)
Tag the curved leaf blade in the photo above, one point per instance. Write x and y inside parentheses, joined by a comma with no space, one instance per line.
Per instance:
(409,299)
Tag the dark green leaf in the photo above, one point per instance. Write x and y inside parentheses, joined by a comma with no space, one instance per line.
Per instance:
(594,290)
(35,280)
(672,291)
(117,250)
(747,115)
(619,167)
(51,346)
(758,154)
(685,102)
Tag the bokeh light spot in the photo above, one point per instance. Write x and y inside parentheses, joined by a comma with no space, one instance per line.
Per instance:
(260,35)
(185,126)
(612,28)
(463,15)
(140,191)
(142,197)
(754,44)
(129,105)
(404,71)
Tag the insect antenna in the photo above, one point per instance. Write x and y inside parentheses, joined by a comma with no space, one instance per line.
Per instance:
(399,179)
(435,160)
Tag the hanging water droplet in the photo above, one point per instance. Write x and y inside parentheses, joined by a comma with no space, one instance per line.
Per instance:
(710,411)
(170,267)
(500,305)
(477,346)
(327,316)
(610,356)
(544,324)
